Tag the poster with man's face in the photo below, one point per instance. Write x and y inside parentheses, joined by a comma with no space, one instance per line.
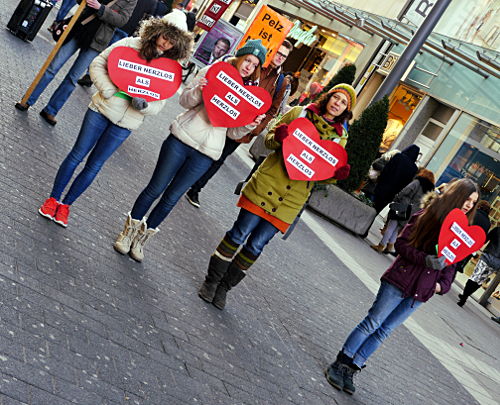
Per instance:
(221,40)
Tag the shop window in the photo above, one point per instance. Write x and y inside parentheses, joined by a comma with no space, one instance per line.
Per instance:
(402,103)
(471,150)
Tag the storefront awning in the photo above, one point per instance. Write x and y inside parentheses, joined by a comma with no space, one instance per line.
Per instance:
(479,60)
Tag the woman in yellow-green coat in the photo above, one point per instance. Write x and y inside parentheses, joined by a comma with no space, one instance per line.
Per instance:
(271,200)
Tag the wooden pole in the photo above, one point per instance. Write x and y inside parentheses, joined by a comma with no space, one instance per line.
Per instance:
(52,54)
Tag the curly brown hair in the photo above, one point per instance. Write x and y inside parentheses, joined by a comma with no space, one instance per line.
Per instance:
(323,101)
(152,28)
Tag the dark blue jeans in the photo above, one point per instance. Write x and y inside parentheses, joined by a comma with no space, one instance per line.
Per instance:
(65,89)
(64,8)
(258,231)
(97,134)
(178,167)
(389,310)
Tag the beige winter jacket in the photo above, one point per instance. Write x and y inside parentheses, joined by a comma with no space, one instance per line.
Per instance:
(193,127)
(118,110)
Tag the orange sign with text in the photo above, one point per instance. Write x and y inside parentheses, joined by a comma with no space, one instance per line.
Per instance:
(271,28)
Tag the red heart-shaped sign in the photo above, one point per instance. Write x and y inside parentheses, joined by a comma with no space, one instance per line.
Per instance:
(458,239)
(229,103)
(307,157)
(155,80)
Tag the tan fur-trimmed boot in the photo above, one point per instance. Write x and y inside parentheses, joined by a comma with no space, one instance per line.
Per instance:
(125,238)
(143,235)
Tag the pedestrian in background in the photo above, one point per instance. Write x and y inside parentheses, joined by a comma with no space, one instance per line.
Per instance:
(275,83)
(190,149)
(488,264)
(414,277)
(90,35)
(271,201)
(397,173)
(375,169)
(112,114)
(409,196)
(142,10)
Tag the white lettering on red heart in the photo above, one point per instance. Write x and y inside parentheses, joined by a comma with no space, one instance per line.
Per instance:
(147,70)
(307,156)
(464,236)
(300,166)
(450,256)
(142,81)
(322,152)
(239,89)
(222,105)
(232,98)
(142,92)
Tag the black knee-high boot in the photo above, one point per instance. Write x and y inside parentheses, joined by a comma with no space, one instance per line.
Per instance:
(470,288)
(236,272)
(217,267)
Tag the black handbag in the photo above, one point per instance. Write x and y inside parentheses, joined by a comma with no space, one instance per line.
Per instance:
(57,28)
(399,211)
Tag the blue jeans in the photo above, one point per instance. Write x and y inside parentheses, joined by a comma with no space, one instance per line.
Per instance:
(178,167)
(66,5)
(258,231)
(97,134)
(391,232)
(68,84)
(389,310)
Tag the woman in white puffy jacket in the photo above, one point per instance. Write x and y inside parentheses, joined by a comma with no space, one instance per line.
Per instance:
(193,145)
(112,114)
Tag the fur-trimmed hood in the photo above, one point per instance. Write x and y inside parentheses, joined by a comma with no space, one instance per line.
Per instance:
(182,40)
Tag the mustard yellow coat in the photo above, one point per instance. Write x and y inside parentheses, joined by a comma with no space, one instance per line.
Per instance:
(270,187)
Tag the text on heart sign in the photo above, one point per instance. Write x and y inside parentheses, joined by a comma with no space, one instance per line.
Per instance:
(239,89)
(463,236)
(321,152)
(147,70)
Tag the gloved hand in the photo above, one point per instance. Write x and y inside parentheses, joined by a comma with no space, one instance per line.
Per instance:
(139,103)
(342,172)
(280,133)
(434,262)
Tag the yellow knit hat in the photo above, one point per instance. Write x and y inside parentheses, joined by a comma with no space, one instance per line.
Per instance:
(349,92)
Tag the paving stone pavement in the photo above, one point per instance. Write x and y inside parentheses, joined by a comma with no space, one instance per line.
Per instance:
(82,324)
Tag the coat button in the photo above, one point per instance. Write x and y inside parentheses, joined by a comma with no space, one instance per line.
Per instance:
(428,272)
(416,295)
(280,199)
(273,210)
(288,187)
(262,203)
(270,193)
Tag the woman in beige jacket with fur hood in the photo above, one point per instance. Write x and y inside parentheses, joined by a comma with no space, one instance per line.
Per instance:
(112,114)
(193,145)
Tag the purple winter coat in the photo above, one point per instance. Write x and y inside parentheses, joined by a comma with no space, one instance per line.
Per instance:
(409,272)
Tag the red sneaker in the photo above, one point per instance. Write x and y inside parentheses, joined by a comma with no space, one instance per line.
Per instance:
(49,208)
(62,215)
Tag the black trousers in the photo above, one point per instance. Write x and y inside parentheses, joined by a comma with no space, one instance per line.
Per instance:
(229,147)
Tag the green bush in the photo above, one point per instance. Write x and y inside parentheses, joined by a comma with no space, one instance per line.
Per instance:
(365,136)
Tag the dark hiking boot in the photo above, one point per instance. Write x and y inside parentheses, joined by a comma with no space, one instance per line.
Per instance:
(348,372)
(49,118)
(216,270)
(334,375)
(232,277)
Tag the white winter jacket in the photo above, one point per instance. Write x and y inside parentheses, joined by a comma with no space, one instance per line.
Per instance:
(118,110)
(193,127)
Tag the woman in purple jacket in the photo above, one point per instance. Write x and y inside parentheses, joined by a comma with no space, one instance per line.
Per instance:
(414,277)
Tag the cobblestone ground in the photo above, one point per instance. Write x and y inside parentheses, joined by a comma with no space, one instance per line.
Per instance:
(81,324)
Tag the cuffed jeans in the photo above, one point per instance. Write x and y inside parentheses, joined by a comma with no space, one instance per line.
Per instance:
(389,310)
(97,134)
(65,89)
(258,231)
(229,147)
(178,167)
